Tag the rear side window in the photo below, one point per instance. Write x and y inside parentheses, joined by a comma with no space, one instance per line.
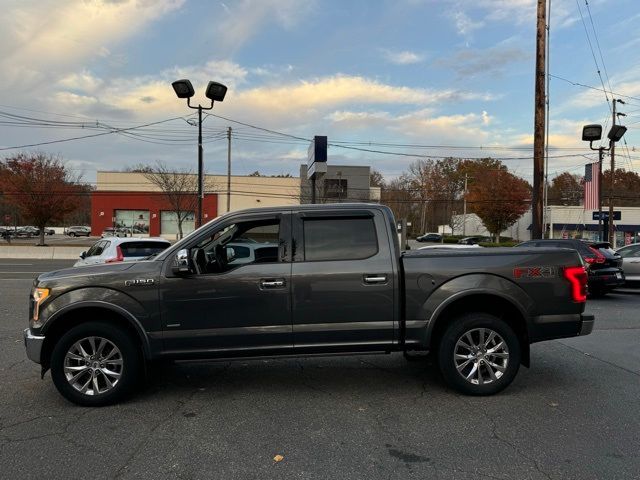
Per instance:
(142,249)
(629,252)
(339,239)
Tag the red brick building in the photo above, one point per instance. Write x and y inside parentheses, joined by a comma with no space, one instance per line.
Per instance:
(147,213)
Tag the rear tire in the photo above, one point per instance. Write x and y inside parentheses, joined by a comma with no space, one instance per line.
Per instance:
(72,234)
(96,364)
(479,354)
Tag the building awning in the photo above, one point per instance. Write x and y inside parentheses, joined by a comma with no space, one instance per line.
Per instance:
(590,227)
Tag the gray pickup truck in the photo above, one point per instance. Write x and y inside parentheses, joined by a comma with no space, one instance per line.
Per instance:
(301,280)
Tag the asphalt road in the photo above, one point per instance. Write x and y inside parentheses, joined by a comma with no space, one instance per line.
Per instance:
(575,414)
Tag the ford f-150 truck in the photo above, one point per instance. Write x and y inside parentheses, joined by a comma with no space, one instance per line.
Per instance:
(322,279)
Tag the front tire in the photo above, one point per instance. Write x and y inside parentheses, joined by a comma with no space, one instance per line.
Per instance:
(72,234)
(95,364)
(479,354)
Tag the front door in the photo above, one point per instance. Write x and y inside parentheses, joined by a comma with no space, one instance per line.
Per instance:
(237,299)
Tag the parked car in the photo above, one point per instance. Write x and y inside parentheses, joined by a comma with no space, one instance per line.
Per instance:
(115,232)
(114,249)
(604,265)
(242,252)
(630,261)
(429,237)
(337,283)
(49,231)
(78,231)
(27,231)
(473,240)
(7,232)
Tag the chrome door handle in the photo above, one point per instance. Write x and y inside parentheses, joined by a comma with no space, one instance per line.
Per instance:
(272,283)
(374,279)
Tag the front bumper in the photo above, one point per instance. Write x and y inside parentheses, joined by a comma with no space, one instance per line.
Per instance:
(33,345)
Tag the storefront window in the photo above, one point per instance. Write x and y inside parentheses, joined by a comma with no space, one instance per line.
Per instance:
(169,223)
(137,221)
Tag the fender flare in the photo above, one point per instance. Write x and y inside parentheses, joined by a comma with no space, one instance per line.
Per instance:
(128,316)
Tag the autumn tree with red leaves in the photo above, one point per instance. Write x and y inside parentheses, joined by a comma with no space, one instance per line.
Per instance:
(41,187)
(499,198)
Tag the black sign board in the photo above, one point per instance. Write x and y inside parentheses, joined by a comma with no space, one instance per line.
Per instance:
(617,215)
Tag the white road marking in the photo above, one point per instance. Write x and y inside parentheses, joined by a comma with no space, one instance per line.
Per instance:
(16,264)
(17,271)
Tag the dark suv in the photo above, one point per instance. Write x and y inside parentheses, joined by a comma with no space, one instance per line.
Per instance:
(603,264)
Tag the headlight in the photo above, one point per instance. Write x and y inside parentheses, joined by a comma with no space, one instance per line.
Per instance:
(39,295)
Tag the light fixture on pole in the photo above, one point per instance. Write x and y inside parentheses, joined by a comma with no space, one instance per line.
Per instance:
(215,92)
(593,133)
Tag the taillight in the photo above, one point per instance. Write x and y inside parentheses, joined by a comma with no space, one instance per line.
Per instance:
(577,277)
(599,258)
(119,256)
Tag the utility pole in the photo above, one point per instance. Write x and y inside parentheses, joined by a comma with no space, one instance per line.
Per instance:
(600,158)
(464,211)
(539,121)
(228,169)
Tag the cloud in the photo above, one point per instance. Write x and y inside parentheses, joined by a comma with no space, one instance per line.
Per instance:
(403,58)
(245,17)
(491,61)
(35,46)
(463,23)
(423,124)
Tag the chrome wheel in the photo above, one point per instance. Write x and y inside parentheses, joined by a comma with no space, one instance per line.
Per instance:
(93,365)
(481,356)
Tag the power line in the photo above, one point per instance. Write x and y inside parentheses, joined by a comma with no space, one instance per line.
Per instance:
(578,84)
(88,136)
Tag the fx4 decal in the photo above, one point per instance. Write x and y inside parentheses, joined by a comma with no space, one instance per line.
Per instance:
(535,272)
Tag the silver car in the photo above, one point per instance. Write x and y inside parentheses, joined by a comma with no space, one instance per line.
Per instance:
(114,249)
(630,261)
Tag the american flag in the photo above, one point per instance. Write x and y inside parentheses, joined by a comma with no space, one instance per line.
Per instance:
(591,186)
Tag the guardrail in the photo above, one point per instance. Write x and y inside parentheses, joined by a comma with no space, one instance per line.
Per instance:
(41,253)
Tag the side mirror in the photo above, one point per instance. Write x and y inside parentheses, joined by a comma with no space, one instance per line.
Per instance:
(182,263)
(231,254)
(83,255)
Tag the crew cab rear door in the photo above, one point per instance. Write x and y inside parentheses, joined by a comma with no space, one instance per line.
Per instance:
(343,279)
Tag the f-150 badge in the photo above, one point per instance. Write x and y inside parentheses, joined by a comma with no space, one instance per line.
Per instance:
(139,281)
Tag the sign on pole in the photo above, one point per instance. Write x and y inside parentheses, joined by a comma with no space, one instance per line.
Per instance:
(617,215)
(317,156)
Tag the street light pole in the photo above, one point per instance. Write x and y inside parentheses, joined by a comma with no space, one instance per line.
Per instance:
(215,92)
(200,168)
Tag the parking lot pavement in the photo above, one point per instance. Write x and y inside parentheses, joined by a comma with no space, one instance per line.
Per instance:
(573,415)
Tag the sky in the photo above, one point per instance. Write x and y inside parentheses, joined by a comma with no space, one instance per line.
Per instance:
(410,78)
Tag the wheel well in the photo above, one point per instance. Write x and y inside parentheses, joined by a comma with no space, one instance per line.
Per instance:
(485,303)
(75,317)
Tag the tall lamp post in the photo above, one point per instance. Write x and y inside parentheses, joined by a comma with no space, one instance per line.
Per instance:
(215,92)
(593,133)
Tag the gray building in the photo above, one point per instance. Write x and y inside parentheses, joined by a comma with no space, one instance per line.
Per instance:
(341,183)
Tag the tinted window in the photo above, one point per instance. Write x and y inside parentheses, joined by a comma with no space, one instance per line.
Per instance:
(96,249)
(142,249)
(339,239)
(629,252)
